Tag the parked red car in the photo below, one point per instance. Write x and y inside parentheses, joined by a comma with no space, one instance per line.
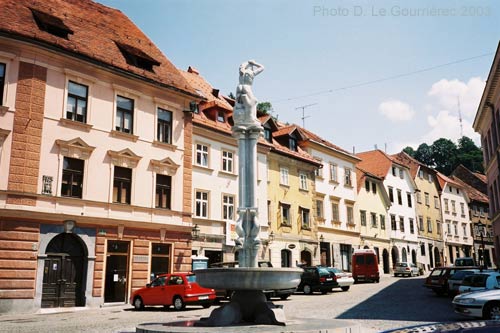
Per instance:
(177,289)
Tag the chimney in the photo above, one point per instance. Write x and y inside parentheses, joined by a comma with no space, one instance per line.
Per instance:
(193,70)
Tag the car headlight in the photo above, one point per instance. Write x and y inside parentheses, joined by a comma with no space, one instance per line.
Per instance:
(465,300)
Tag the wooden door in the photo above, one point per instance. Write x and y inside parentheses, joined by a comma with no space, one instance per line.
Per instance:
(62,281)
(51,282)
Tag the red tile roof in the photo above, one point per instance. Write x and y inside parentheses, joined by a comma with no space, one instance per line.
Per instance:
(472,192)
(408,161)
(206,90)
(443,180)
(286,130)
(316,138)
(96,31)
(376,162)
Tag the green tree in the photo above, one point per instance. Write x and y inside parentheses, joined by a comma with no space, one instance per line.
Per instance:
(424,154)
(410,151)
(470,155)
(231,95)
(264,107)
(444,155)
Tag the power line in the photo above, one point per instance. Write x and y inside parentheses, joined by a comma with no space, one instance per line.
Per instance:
(388,78)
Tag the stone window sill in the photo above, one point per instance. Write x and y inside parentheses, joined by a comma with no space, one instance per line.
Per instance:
(3,110)
(229,174)
(75,124)
(125,136)
(165,145)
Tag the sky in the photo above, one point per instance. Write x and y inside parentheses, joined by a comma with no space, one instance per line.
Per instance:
(360,74)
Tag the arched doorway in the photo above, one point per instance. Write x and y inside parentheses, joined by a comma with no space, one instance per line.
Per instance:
(437,257)
(385,259)
(64,272)
(414,256)
(395,256)
(305,258)
(404,257)
(286,258)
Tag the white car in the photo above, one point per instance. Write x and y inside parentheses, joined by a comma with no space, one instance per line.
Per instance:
(406,268)
(482,304)
(344,279)
(480,281)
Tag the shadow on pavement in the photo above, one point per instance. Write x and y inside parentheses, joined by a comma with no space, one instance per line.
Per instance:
(405,300)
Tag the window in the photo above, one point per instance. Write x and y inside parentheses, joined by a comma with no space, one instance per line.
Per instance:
(160,259)
(400,198)
(122,185)
(421,223)
(164,126)
(268,133)
(419,197)
(453,208)
(227,161)
(374,220)
(136,57)
(303,181)
(347,175)
(51,24)
(362,214)
(427,202)
(367,186)
(462,209)
(408,197)
(163,191)
(202,155)
(421,174)
(285,214)
(335,211)
(412,226)
(124,114)
(2,81)
(402,224)
(304,216)
(393,222)
(76,108)
(220,117)
(438,227)
(333,172)
(446,208)
(429,224)
(429,177)
(391,194)
(448,226)
(284,176)
(455,227)
(292,144)
(374,188)
(350,215)
(318,172)
(228,207)
(401,174)
(201,204)
(436,202)
(394,171)
(319,208)
(72,178)
(382,221)
(464,229)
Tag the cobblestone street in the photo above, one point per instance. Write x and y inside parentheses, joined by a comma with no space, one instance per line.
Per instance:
(393,303)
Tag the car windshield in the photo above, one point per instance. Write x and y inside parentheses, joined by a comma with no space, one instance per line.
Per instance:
(191,278)
(475,280)
(335,270)
(401,264)
(436,272)
(461,274)
(323,271)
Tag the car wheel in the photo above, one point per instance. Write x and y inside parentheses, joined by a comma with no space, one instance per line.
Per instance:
(323,292)
(138,304)
(345,288)
(491,311)
(307,289)
(178,303)
(284,297)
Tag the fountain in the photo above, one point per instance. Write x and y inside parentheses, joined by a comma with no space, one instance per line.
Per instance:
(248,303)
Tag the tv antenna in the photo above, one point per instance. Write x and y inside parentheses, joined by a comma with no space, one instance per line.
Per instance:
(460,118)
(303,107)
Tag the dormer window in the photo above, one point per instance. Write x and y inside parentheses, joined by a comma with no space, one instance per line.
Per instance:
(136,57)
(268,134)
(51,24)
(292,143)
(220,117)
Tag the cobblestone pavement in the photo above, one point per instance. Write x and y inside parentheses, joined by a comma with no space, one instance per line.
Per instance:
(392,303)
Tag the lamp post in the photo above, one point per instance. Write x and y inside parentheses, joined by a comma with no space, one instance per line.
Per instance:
(195,232)
(480,228)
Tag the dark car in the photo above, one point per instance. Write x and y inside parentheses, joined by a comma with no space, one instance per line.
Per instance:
(317,279)
(225,293)
(437,280)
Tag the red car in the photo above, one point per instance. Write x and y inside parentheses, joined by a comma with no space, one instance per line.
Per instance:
(177,289)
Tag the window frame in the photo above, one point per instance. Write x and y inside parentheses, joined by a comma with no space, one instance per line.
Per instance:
(122,181)
(201,155)
(163,190)
(284,176)
(285,208)
(2,82)
(362,216)
(163,125)
(334,170)
(305,217)
(123,111)
(348,177)
(201,204)
(72,174)
(228,208)
(303,181)
(77,99)
(335,211)
(227,161)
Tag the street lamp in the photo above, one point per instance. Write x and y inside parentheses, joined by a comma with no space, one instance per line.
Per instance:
(481,228)
(195,232)
(321,238)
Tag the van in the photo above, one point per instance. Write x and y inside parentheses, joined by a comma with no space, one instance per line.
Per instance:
(365,266)
(464,261)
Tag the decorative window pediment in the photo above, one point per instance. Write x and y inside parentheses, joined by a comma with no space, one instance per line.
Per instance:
(125,158)
(75,148)
(164,167)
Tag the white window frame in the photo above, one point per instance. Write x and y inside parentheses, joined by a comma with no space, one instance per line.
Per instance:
(202,202)
(204,156)
(334,172)
(284,176)
(228,207)
(303,181)
(348,177)
(227,161)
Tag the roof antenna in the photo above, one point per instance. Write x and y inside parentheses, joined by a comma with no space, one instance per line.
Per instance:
(460,118)
(303,116)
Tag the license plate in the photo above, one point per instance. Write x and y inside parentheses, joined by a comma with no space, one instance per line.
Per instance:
(329,279)
(202,297)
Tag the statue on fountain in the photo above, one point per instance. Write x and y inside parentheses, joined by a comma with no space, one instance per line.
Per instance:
(245,109)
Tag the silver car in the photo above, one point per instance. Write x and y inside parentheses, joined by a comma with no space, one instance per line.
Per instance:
(481,304)
(406,269)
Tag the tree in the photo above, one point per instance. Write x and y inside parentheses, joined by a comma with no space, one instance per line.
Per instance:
(264,107)
(470,155)
(444,155)
(410,151)
(424,154)
(231,95)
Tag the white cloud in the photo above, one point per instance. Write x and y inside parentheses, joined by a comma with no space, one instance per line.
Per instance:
(447,125)
(396,111)
(449,92)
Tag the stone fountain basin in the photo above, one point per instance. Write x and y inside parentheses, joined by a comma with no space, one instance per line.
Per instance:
(248,278)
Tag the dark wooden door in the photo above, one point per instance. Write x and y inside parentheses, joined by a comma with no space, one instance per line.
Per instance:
(51,282)
(62,276)
(116,278)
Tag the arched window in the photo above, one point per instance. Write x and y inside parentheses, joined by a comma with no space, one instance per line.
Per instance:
(286,258)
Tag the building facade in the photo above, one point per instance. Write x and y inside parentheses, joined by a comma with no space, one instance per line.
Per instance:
(94,189)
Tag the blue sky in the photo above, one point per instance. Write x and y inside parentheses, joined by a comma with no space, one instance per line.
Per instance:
(317,46)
